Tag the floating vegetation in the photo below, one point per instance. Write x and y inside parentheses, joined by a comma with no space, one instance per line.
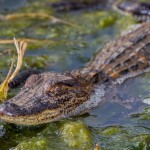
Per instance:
(38,62)
(145,115)
(76,135)
(45,41)
(38,143)
(70,39)
(106,19)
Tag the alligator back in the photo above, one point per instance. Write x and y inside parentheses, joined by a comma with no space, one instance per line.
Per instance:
(127,54)
(141,10)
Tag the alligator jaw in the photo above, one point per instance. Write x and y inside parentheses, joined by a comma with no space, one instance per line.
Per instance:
(27,120)
(45,98)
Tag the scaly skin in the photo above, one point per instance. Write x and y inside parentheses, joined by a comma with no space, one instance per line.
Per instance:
(46,97)
(52,96)
(141,10)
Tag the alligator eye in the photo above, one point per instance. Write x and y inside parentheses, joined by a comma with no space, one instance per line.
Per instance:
(31,80)
(64,83)
(58,86)
(69,83)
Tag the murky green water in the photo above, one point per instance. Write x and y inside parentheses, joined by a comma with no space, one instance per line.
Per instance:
(65,46)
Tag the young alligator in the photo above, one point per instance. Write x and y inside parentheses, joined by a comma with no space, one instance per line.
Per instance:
(52,96)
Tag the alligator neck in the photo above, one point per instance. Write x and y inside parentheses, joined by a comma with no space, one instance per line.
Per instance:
(128,54)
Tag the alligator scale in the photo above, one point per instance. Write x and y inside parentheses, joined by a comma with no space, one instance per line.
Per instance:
(52,96)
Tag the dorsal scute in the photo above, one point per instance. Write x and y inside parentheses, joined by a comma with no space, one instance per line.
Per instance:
(128,53)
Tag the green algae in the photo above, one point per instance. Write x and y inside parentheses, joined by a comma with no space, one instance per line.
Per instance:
(107,20)
(33,144)
(111,131)
(36,62)
(145,115)
(141,142)
(77,135)
(70,47)
(123,25)
(127,138)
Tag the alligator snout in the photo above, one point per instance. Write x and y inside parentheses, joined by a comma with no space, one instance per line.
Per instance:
(4,111)
(7,110)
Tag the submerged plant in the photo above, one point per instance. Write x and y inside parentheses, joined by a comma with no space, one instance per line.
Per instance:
(4,87)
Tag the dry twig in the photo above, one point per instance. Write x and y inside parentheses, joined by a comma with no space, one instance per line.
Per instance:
(42,16)
(44,41)
(21,48)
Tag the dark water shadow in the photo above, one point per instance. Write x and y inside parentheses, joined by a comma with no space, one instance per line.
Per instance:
(120,102)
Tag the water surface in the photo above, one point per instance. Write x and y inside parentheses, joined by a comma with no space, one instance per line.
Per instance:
(115,123)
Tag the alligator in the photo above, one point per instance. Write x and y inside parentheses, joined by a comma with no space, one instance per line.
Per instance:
(51,96)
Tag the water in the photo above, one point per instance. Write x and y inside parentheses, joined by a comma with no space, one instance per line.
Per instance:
(8,5)
(62,47)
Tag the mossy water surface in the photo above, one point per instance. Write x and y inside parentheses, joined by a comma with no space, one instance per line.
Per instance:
(61,46)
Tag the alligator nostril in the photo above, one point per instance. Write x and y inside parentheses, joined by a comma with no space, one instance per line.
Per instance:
(2,109)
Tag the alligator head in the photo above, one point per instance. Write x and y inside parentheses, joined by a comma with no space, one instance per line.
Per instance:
(44,98)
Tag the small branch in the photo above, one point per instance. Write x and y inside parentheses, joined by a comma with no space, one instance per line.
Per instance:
(21,48)
(35,16)
(44,41)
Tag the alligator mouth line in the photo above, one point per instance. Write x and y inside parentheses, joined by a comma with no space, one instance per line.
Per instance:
(31,119)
